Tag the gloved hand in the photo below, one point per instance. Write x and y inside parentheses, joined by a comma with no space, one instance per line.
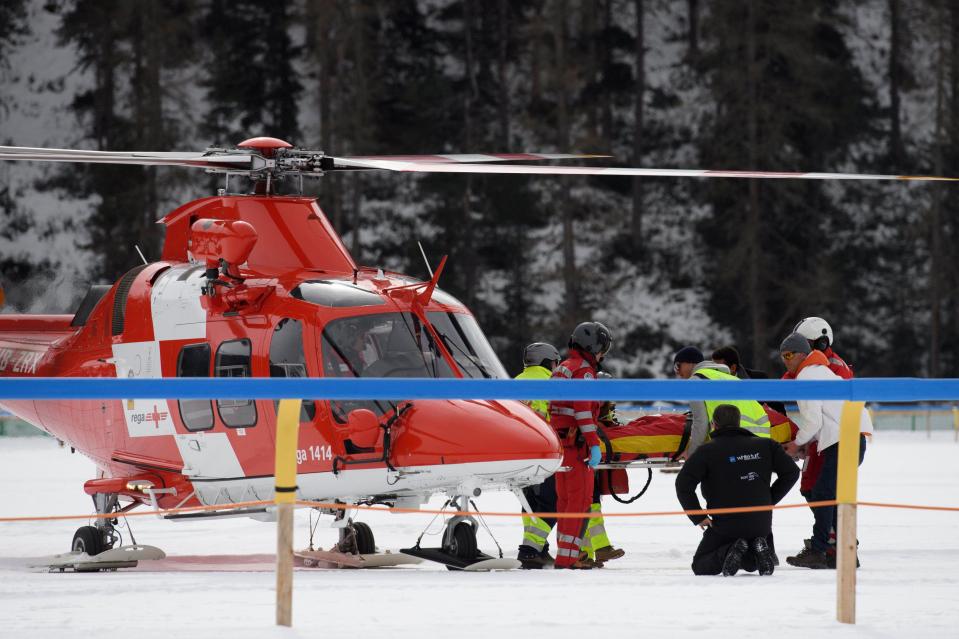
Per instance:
(595,455)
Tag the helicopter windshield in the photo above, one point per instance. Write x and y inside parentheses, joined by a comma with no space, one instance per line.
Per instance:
(465,341)
(382,345)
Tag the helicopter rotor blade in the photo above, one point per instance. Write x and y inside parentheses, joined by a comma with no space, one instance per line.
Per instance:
(476,157)
(232,161)
(506,169)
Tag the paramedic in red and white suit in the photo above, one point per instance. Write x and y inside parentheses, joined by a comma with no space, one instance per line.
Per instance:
(576,423)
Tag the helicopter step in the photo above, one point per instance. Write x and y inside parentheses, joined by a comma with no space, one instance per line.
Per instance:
(355,549)
(335,559)
(459,550)
(478,563)
(112,559)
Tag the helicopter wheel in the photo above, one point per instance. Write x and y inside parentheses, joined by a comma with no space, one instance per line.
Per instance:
(463,541)
(87,539)
(357,539)
(365,544)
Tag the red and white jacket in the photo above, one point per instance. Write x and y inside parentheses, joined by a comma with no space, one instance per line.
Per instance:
(566,417)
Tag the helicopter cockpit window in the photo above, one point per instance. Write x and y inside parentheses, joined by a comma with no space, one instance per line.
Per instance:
(233,360)
(383,345)
(465,341)
(287,359)
(336,294)
(194,361)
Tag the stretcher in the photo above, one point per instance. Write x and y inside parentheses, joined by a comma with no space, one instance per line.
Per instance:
(658,441)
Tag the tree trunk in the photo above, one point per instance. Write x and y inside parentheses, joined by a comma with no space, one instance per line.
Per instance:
(570,274)
(754,290)
(896,152)
(639,96)
(692,15)
(502,68)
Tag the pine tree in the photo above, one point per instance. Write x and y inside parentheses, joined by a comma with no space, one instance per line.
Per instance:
(787,97)
(250,77)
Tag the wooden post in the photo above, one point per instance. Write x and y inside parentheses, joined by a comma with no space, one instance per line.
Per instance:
(847,480)
(287,429)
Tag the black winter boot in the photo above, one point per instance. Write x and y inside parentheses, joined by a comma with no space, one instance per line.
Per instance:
(765,559)
(734,557)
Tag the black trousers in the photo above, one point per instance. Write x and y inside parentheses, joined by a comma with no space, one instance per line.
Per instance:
(712,550)
(825,489)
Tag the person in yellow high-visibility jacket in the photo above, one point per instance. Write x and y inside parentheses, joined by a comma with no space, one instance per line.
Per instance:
(539,360)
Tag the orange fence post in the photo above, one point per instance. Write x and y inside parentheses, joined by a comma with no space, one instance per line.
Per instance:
(847,480)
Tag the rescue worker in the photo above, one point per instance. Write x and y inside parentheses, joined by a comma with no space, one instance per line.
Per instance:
(733,470)
(685,360)
(818,421)
(818,333)
(534,551)
(539,361)
(576,423)
(752,415)
(729,356)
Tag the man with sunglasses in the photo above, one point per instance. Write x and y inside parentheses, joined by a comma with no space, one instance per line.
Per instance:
(819,334)
(818,422)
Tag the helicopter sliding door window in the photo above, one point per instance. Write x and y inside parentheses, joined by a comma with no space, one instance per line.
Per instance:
(194,361)
(287,359)
(233,360)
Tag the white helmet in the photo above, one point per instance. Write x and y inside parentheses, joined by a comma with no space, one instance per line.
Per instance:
(816,330)
(535,354)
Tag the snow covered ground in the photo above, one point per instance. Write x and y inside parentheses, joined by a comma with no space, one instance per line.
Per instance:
(908,585)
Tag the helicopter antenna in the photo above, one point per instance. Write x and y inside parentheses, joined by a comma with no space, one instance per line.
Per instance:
(423,253)
(141,254)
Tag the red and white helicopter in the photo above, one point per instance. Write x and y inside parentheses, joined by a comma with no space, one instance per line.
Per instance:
(260,284)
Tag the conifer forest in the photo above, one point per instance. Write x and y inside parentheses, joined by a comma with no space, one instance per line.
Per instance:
(866,86)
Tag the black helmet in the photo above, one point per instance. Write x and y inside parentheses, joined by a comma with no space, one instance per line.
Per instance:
(541,354)
(591,337)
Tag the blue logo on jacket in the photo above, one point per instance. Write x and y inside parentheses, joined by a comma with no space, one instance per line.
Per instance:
(732,459)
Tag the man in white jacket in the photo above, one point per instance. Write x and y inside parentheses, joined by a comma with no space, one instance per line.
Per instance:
(818,421)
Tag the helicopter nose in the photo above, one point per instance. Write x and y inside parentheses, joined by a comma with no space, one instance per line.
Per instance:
(476,431)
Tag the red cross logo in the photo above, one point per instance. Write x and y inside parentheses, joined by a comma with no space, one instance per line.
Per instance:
(156,416)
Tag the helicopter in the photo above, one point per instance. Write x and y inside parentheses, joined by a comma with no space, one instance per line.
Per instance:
(259,284)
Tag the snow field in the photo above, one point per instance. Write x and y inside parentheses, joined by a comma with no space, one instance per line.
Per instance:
(907,587)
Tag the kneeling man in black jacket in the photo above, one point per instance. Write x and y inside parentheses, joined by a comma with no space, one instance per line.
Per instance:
(734,469)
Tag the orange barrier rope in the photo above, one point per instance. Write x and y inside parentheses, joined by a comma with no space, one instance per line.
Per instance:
(877,504)
(427,511)
(588,515)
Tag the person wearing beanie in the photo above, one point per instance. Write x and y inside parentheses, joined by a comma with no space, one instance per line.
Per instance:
(729,356)
(733,469)
(685,360)
(818,422)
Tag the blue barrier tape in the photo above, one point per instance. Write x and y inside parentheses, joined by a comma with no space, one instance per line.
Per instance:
(872,389)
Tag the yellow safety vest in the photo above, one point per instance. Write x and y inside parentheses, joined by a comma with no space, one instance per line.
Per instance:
(752,415)
(541,406)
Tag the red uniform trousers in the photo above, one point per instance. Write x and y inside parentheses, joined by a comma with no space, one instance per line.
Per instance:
(811,469)
(574,493)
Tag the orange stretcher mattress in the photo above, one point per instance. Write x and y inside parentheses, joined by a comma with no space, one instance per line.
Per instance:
(668,435)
